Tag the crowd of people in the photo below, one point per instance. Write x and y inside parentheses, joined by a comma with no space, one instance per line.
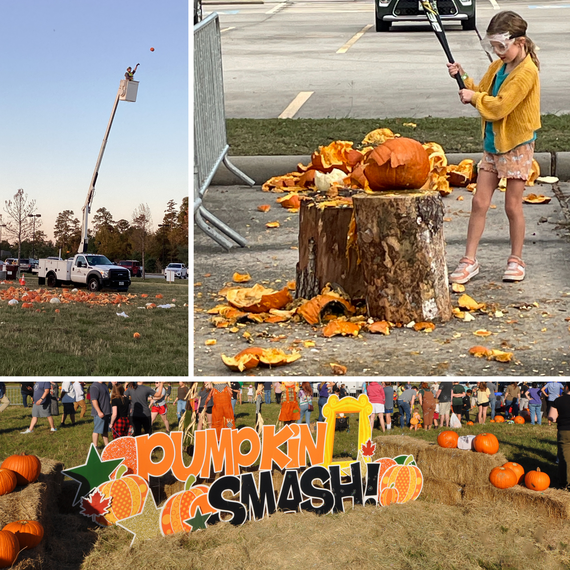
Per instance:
(131,408)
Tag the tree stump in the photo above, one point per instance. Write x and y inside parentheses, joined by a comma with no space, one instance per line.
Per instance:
(323,234)
(401,245)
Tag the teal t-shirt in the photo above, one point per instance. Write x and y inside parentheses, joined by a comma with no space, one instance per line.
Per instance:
(489,140)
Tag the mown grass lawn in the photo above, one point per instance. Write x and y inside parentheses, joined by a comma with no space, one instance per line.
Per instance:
(89,339)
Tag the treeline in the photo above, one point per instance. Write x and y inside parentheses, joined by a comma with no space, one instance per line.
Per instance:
(116,239)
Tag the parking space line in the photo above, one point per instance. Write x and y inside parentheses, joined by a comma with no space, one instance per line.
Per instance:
(227,29)
(295,105)
(495,4)
(353,39)
(277,8)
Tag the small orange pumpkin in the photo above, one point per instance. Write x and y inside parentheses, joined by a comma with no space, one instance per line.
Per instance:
(9,548)
(136,335)
(537,480)
(8,481)
(499,419)
(470,423)
(26,467)
(518,470)
(486,443)
(448,439)
(502,477)
(28,533)
(519,420)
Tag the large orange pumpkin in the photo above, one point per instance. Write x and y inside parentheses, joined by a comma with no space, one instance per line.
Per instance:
(9,548)
(26,467)
(397,164)
(406,479)
(519,420)
(28,533)
(537,480)
(518,469)
(8,481)
(486,443)
(447,439)
(499,419)
(127,496)
(502,477)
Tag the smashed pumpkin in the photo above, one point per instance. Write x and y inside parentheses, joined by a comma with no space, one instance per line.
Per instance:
(291,200)
(312,310)
(397,164)
(379,136)
(462,173)
(258,299)
(344,328)
(536,199)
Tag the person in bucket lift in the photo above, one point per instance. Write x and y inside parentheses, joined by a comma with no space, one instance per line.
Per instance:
(131,72)
(508,100)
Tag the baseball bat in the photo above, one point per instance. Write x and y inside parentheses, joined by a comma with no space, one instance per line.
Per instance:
(430,8)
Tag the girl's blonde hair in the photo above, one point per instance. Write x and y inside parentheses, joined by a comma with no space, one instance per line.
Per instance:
(509,22)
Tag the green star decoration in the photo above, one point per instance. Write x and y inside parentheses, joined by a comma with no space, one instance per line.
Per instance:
(199,520)
(146,524)
(92,473)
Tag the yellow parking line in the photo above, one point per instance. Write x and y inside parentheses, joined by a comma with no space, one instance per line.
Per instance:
(355,38)
(227,29)
(295,105)
(495,4)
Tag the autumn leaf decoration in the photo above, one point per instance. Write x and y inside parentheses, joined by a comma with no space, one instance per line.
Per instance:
(95,505)
(368,448)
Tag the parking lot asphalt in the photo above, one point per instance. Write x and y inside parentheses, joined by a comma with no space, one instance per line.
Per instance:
(530,319)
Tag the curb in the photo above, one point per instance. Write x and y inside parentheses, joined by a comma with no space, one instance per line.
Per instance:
(262,168)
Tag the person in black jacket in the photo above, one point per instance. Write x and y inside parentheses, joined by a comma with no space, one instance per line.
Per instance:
(560,413)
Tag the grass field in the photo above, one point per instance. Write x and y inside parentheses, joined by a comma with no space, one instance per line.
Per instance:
(87,338)
(258,137)
(418,535)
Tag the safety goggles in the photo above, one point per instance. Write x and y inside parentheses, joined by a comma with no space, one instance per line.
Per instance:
(497,43)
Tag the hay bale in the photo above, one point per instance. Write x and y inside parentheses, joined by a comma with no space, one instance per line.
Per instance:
(455,465)
(441,491)
(554,503)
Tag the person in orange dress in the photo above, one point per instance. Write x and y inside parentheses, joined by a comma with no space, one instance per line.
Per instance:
(222,411)
(290,411)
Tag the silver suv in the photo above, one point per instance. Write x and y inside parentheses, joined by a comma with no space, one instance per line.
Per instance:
(180,271)
(390,11)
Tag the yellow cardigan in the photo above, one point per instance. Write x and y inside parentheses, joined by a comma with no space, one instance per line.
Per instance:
(515,111)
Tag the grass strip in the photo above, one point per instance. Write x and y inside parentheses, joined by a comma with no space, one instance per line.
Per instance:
(260,137)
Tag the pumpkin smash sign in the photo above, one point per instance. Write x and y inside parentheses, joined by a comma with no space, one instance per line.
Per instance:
(114,487)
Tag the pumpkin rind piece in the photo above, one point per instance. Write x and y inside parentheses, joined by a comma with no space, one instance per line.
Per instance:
(258,299)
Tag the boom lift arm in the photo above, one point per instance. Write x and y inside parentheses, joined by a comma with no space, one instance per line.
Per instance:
(127,92)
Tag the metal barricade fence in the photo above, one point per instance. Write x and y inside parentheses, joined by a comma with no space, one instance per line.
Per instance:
(14,394)
(210,139)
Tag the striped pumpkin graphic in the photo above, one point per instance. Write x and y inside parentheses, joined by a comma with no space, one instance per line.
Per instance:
(405,478)
(127,496)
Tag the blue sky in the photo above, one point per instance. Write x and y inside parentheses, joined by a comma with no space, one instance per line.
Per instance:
(60,66)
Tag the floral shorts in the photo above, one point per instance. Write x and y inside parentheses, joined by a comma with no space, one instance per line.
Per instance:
(516,163)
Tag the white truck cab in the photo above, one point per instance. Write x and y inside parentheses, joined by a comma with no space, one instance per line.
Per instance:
(93,270)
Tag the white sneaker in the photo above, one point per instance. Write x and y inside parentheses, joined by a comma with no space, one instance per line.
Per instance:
(53,429)
(27,431)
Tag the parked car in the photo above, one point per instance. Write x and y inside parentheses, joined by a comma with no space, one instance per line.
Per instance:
(180,270)
(133,266)
(390,11)
(25,264)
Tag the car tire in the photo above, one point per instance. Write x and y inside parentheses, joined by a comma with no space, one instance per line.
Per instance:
(94,284)
(381,25)
(51,280)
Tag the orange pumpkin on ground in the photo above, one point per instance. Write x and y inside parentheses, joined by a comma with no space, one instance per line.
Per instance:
(407,479)
(396,164)
(447,439)
(8,481)
(518,470)
(28,533)
(502,477)
(26,467)
(127,496)
(519,420)
(499,419)
(537,480)
(9,548)
(470,423)
(486,443)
